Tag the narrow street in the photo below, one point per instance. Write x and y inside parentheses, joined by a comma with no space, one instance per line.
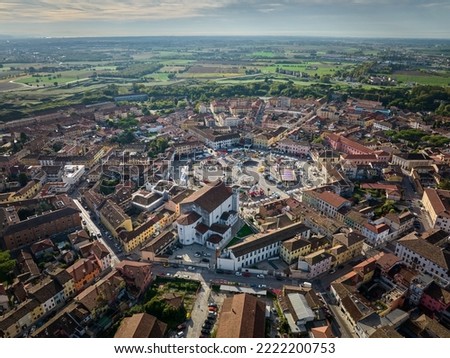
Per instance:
(93,229)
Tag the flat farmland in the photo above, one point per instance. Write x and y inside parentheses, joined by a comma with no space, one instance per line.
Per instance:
(172,68)
(8,86)
(423,78)
(311,68)
(203,71)
(48,79)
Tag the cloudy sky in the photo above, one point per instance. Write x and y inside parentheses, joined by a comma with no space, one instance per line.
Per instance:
(356,18)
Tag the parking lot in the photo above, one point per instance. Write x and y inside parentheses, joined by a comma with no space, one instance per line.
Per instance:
(195,255)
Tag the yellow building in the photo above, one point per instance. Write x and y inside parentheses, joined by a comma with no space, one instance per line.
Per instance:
(114,218)
(23,315)
(132,239)
(352,241)
(261,141)
(292,249)
(340,253)
(29,191)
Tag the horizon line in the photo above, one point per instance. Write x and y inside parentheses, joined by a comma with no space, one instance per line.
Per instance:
(34,37)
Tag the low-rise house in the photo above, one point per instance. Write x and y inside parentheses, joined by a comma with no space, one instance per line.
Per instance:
(141,325)
(137,275)
(101,295)
(352,241)
(42,248)
(435,298)
(49,293)
(426,327)
(83,272)
(98,252)
(376,234)
(315,264)
(14,322)
(368,325)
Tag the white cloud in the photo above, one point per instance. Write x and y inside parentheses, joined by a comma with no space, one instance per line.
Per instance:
(64,10)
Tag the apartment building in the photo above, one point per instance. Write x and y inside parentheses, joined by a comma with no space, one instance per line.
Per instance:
(423,256)
(437,204)
(326,202)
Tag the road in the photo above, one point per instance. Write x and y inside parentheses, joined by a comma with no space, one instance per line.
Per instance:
(205,276)
(416,204)
(93,229)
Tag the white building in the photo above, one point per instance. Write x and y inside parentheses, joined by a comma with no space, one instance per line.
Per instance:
(72,174)
(290,146)
(259,247)
(208,215)
(437,204)
(423,256)
(316,263)
(49,293)
(376,233)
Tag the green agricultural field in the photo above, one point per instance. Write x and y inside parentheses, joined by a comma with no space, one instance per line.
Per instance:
(47,81)
(423,78)
(104,68)
(262,54)
(159,76)
(176,62)
(311,68)
(172,68)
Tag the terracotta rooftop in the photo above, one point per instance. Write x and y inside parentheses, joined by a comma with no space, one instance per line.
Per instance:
(440,201)
(425,249)
(242,316)
(332,199)
(188,219)
(256,242)
(295,244)
(210,196)
(141,325)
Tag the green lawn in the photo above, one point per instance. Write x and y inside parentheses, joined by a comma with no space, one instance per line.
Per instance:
(244,231)
(234,241)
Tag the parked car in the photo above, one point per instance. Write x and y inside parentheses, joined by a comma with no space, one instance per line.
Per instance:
(260,275)
(262,286)
(237,273)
